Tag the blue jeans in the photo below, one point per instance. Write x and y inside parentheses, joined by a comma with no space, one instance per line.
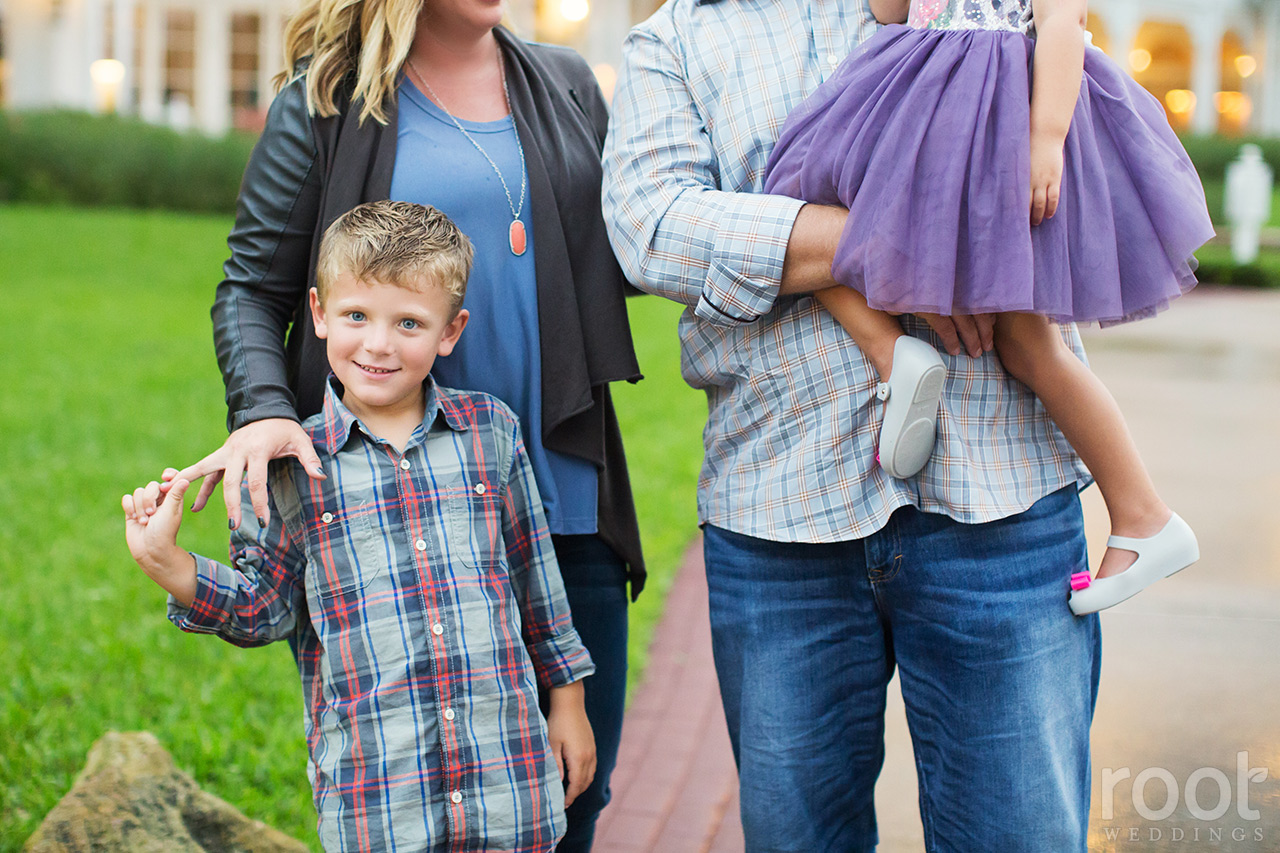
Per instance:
(595,582)
(999,679)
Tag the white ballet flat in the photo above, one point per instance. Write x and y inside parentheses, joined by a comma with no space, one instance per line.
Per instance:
(913,393)
(1168,552)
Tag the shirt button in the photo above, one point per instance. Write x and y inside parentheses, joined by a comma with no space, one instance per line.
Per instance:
(479,488)
(456,796)
(448,714)
(421,545)
(833,60)
(327,517)
(437,629)
(404,465)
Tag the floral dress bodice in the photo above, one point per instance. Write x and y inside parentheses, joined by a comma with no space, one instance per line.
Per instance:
(1007,15)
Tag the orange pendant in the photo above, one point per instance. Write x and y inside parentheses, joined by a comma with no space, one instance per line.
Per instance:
(517,237)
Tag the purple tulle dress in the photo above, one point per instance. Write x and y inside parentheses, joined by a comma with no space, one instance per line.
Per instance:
(924,134)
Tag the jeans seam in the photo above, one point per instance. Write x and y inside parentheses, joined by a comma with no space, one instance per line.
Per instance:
(926,808)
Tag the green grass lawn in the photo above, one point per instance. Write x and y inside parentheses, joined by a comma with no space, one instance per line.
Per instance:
(109,377)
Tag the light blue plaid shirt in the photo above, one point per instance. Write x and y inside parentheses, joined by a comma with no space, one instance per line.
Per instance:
(793,422)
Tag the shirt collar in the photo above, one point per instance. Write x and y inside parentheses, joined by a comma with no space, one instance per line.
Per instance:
(339,421)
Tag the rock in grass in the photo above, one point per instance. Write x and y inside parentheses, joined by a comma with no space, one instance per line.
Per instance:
(130,797)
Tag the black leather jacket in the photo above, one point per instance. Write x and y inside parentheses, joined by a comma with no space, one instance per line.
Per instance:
(307,171)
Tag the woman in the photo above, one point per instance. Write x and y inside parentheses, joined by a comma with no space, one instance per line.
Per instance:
(432,101)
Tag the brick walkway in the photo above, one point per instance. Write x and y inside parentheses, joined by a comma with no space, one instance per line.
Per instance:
(675,789)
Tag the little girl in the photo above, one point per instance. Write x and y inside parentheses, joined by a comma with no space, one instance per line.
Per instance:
(938,137)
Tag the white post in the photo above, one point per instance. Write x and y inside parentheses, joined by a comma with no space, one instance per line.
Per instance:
(92,36)
(607,28)
(1267,109)
(1122,21)
(69,84)
(122,48)
(1207,30)
(151,74)
(270,52)
(213,67)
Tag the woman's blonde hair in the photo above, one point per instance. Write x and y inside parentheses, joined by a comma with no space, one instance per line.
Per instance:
(370,37)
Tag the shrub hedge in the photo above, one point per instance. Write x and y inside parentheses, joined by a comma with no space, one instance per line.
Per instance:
(68,157)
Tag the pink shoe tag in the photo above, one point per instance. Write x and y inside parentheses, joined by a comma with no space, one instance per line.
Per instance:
(1081,580)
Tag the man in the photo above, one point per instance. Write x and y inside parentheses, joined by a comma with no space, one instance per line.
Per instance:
(824,572)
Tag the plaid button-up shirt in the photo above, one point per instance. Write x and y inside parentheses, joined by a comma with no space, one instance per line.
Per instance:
(793,420)
(427,604)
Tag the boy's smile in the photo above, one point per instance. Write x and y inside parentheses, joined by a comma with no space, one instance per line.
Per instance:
(382,341)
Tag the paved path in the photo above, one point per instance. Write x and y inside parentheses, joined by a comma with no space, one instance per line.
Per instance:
(1191,678)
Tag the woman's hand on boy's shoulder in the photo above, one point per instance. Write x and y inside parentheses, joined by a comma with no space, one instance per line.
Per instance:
(245,454)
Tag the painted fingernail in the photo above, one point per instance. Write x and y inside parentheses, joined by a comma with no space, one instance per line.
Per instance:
(262,522)
(231,525)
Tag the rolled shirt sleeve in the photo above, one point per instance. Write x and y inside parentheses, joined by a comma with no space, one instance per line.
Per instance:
(675,232)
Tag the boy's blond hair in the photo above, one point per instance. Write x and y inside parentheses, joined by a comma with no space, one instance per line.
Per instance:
(399,243)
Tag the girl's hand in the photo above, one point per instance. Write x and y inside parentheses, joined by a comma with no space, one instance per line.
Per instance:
(572,742)
(151,523)
(246,452)
(1046,177)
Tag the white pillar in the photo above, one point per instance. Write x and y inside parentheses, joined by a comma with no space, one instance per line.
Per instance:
(122,48)
(1122,20)
(1267,107)
(213,68)
(270,53)
(29,60)
(607,27)
(69,84)
(1207,30)
(151,72)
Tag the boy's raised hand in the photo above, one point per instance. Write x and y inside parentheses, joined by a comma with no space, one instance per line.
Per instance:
(572,741)
(151,523)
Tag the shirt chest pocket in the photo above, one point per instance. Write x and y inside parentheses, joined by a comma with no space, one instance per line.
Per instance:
(344,551)
(473,520)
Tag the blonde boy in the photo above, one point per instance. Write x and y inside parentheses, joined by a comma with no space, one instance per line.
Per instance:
(417,579)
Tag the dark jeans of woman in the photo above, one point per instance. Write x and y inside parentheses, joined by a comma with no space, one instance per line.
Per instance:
(595,582)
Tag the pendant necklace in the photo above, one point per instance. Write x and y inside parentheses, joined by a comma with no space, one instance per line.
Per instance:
(516,236)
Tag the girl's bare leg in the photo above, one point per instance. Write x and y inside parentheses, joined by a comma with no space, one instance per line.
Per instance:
(875,332)
(1032,350)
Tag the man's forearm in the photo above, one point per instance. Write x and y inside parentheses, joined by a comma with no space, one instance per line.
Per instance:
(811,249)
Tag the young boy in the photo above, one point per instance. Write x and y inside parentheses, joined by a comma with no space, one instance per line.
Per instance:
(417,579)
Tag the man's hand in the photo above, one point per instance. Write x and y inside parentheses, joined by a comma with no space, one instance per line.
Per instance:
(246,452)
(151,523)
(572,742)
(962,333)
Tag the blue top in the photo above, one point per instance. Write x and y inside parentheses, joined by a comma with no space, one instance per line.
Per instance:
(500,351)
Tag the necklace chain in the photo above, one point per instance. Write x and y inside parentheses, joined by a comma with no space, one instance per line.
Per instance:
(515,209)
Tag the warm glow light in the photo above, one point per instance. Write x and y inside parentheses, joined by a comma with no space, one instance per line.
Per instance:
(1234,106)
(107,76)
(1140,60)
(574,10)
(107,72)
(607,78)
(1246,65)
(1180,100)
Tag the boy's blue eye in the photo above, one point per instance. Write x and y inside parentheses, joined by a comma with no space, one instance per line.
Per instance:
(408,324)
(357,316)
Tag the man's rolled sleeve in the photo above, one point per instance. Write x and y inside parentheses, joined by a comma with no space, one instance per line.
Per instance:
(675,231)
(746,259)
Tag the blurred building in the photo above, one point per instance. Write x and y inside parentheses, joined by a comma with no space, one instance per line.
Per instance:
(208,64)
(1215,64)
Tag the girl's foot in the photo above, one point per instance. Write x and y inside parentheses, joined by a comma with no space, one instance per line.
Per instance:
(1169,551)
(911,396)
